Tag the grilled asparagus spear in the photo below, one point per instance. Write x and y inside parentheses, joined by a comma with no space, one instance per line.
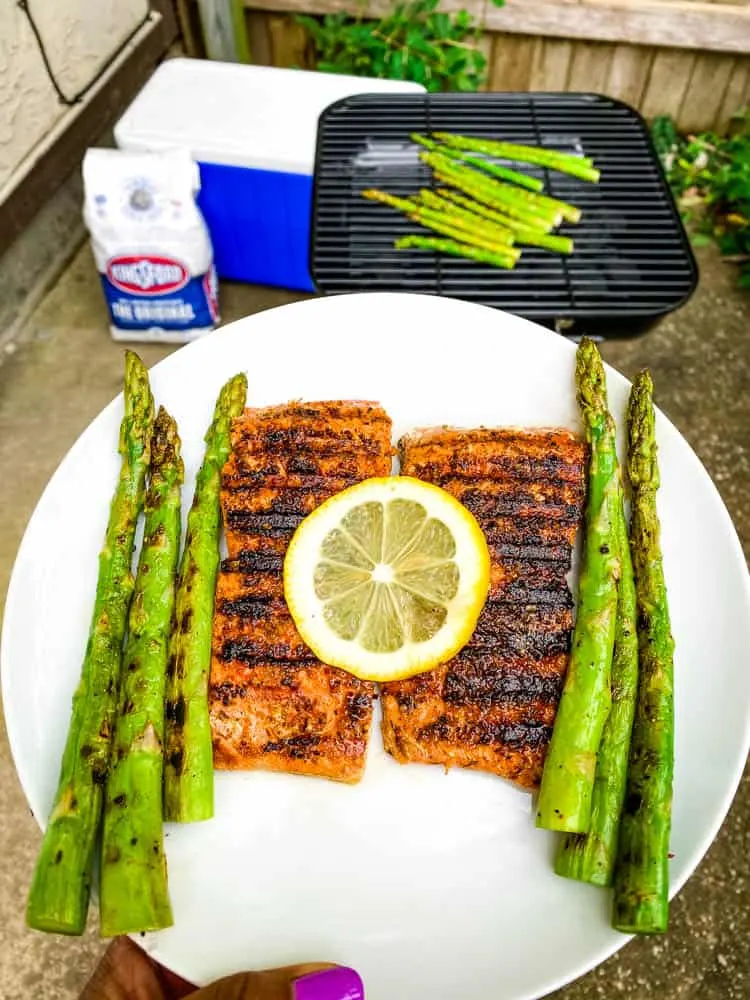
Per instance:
(134,894)
(569,771)
(641,882)
(455,249)
(521,233)
(483,234)
(188,766)
(523,180)
(590,857)
(567,163)
(60,889)
(492,193)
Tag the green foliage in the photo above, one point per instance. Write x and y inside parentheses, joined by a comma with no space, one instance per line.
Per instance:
(413,41)
(710,177)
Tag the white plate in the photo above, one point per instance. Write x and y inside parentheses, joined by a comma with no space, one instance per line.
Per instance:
(434,886)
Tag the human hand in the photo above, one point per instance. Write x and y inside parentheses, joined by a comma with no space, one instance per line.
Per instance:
(127,973)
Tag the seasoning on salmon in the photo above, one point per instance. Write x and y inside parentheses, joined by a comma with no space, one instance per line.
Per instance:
(493,706)
(274,706)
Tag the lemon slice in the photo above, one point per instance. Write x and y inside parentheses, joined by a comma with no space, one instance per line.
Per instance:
(388,578)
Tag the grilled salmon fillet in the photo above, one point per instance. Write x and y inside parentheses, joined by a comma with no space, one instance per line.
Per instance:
(493,706)
(273,704)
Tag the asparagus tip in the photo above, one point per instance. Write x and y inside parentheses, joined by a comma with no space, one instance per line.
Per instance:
(644,383)
(643,468)
(233,393)
(229,404)
(165,443)
(137,389)
(591,382)
(137,423)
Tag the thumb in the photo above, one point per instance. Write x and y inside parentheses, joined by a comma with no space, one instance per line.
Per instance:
(295,982)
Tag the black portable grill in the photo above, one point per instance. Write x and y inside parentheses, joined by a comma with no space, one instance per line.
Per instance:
(632,262)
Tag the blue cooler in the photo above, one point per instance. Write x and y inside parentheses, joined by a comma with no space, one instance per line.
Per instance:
(253,130)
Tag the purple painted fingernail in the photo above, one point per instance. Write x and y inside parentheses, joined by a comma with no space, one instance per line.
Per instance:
(331,984)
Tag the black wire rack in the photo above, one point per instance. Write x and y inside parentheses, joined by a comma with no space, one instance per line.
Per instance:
(632,261)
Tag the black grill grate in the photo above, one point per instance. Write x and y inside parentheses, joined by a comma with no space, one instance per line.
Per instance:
(632,262)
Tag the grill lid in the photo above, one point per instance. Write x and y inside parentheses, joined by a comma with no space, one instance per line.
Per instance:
(632,261)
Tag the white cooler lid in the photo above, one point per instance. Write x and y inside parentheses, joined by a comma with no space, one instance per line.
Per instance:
(248,116)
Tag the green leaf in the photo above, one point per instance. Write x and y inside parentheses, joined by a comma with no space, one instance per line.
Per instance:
(701,240)
(417,71)
(456,60)
(441,25)
(412,41)
(462,21)
(465,83)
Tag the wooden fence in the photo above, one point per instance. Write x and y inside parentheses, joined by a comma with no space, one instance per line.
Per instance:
(689,60)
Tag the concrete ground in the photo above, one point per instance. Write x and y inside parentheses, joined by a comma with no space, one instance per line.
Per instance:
(63,368)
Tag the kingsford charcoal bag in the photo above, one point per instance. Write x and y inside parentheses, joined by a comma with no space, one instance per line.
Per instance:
(151,244)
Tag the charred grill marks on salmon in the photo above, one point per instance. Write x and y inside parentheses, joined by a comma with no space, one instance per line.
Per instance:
(493,706)
(273,704)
